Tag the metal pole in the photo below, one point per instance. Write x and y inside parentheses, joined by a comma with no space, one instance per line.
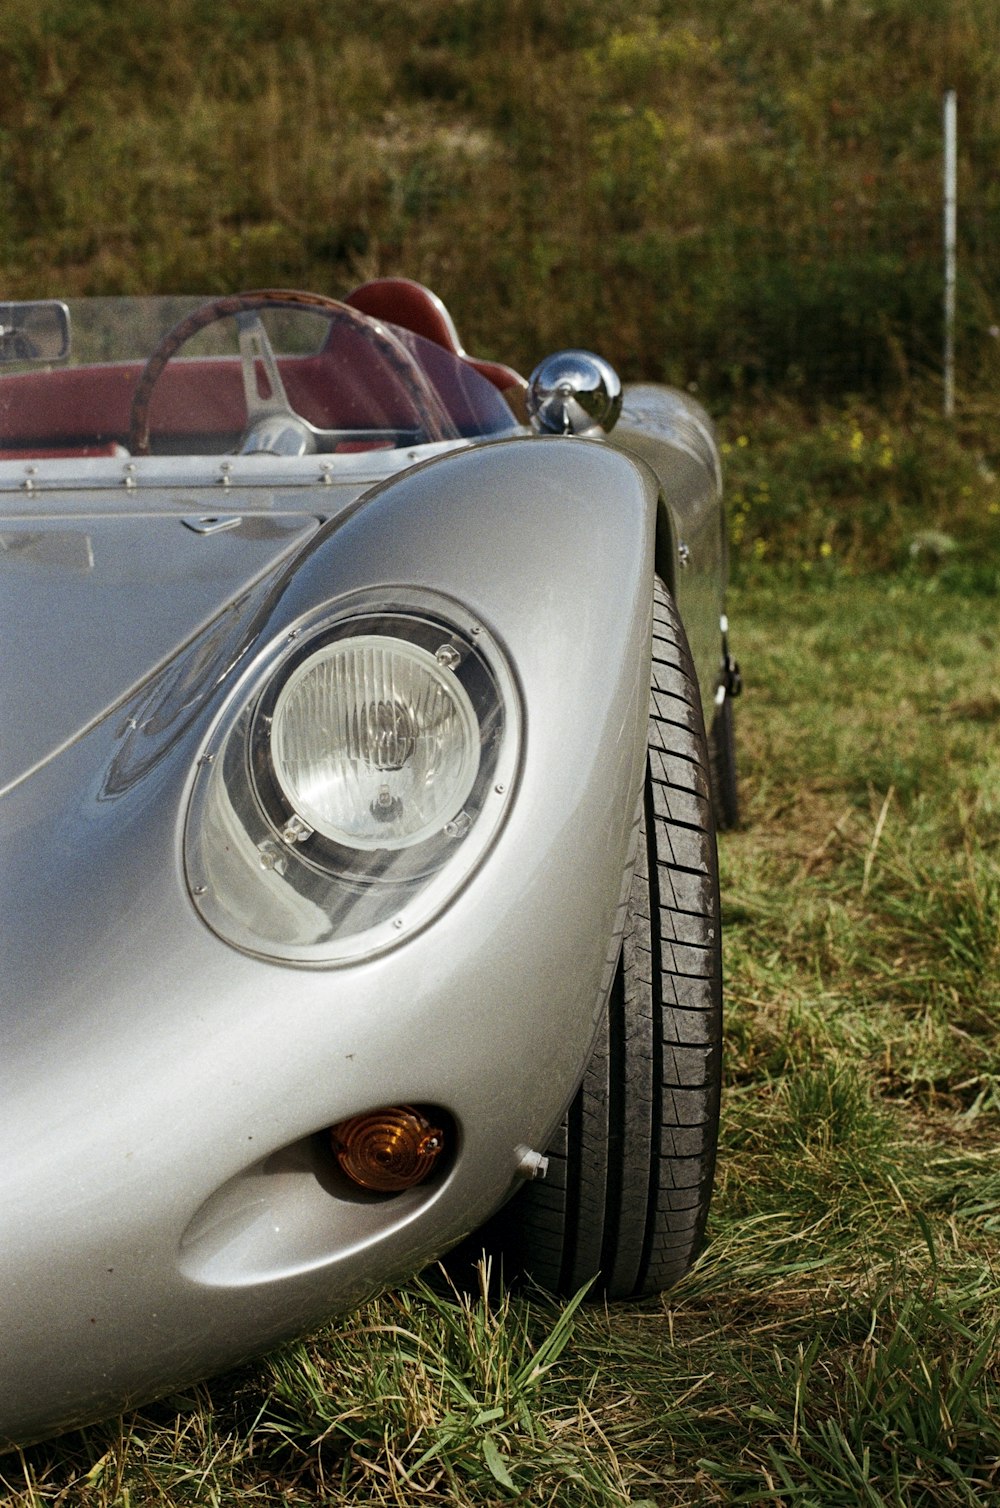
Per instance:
(950,237)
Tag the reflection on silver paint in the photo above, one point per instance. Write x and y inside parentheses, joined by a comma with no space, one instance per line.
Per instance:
(159,717)
(58,549)
(92,614)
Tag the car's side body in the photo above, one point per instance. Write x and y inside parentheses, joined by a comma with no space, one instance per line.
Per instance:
(169,1201)
(674,436)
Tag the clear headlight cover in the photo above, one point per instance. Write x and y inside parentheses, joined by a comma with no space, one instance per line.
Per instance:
(375,742)
(354,782)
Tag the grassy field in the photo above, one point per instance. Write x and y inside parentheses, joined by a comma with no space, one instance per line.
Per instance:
(839,1341)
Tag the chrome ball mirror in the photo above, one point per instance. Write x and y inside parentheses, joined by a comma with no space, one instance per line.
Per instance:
(574,393)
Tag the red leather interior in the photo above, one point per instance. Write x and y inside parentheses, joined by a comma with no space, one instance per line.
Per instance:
(85,410)
(90,405)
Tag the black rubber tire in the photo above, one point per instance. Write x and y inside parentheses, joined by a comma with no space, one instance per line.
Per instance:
(722,762)
(630,1169)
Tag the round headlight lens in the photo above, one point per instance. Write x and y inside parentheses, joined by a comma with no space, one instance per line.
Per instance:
(375,742)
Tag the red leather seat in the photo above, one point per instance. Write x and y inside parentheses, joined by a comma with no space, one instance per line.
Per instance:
(400,301)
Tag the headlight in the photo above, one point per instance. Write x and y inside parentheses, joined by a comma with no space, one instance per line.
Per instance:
(375,742)
(355,781)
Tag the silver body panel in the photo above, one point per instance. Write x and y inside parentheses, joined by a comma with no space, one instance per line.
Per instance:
(674,435)
(165,1209)
(93,603)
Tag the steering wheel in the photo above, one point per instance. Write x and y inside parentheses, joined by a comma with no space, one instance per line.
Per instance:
(271,420)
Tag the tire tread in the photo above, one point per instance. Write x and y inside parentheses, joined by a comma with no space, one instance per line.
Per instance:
(631,1167)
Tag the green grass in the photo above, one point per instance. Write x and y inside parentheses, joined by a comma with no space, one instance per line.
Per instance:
(839,1341)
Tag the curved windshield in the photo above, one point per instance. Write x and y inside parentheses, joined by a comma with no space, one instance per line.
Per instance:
(282,374)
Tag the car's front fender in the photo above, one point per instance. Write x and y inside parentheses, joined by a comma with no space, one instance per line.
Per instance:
(163,1209)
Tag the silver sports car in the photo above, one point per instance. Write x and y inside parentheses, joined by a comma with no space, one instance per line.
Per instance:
(358,815)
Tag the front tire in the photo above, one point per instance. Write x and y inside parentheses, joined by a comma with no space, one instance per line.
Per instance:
(631,1167)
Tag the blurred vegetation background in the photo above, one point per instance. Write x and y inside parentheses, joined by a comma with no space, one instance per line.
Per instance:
(743,198)
(732,194)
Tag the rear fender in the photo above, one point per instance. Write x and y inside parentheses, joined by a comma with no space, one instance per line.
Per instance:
(674,435)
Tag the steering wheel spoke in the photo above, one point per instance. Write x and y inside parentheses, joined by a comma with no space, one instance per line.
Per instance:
(258,360)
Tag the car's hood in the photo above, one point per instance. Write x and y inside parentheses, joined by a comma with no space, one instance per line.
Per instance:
(92,605)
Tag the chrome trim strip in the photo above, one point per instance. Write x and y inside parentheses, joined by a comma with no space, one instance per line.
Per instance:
(73,473)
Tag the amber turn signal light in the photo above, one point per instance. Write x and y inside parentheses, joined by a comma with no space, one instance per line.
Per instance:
(387,1150)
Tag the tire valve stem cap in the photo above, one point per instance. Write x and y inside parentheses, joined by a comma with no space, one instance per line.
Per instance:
(531,1164)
